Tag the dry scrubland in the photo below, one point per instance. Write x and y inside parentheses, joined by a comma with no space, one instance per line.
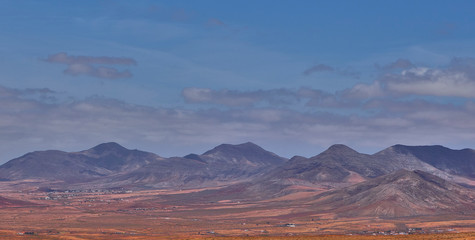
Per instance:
(164,215)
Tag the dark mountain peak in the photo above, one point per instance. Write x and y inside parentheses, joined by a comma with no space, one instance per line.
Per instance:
(340,149)
(398,148)
(44,153)
(196,157)
(113,156)
(233,149)
(297,158)
(432,149)
(107,147)
(245,153)
(336,164)
(458,162)
(248,146)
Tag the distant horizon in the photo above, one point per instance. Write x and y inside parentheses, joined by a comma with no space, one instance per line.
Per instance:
(210,148)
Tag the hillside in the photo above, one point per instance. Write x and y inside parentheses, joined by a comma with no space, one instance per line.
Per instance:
(98,162)
(399,194)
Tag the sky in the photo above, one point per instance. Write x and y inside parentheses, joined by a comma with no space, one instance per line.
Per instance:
(179,77)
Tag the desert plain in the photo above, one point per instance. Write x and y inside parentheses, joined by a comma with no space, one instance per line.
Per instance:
(166,214)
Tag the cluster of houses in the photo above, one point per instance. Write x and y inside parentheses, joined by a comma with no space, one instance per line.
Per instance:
(405,232)
(71,194)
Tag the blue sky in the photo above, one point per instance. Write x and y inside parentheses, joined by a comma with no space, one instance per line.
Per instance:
(175,77)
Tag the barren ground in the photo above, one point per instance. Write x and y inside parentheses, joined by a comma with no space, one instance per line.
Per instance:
(166,215)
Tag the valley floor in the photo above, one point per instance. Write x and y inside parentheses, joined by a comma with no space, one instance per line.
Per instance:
(156,214)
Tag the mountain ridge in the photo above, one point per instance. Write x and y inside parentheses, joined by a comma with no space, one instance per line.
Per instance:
(99,161)
(340,165)
(336,167)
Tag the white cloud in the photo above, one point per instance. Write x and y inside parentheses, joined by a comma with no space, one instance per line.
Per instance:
(455,80)
(435,83)
(416,71)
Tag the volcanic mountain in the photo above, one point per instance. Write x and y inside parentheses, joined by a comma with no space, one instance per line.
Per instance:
(224,164)
(402,193)
(240,160)
(454,162)
(100,161)
(111,165)
(341,166)
(335,164)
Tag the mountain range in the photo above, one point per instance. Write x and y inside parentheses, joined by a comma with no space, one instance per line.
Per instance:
(341,166)
(397,181)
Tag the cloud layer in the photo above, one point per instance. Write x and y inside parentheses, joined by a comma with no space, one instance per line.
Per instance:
(365,116)
(92,66)
(406,104)
(457,79)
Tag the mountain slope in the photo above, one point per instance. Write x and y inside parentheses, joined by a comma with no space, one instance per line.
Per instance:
(114,157)
(223,164)
(240,161)
(167,173)
(341,166)
(246,153)
(402,193)
(112,165)
(457,162)
(102,160)
(336,167)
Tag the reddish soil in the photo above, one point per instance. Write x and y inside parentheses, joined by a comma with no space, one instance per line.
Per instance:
(159,214)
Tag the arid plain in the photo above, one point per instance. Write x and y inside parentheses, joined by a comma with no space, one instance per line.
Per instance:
(157,214)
